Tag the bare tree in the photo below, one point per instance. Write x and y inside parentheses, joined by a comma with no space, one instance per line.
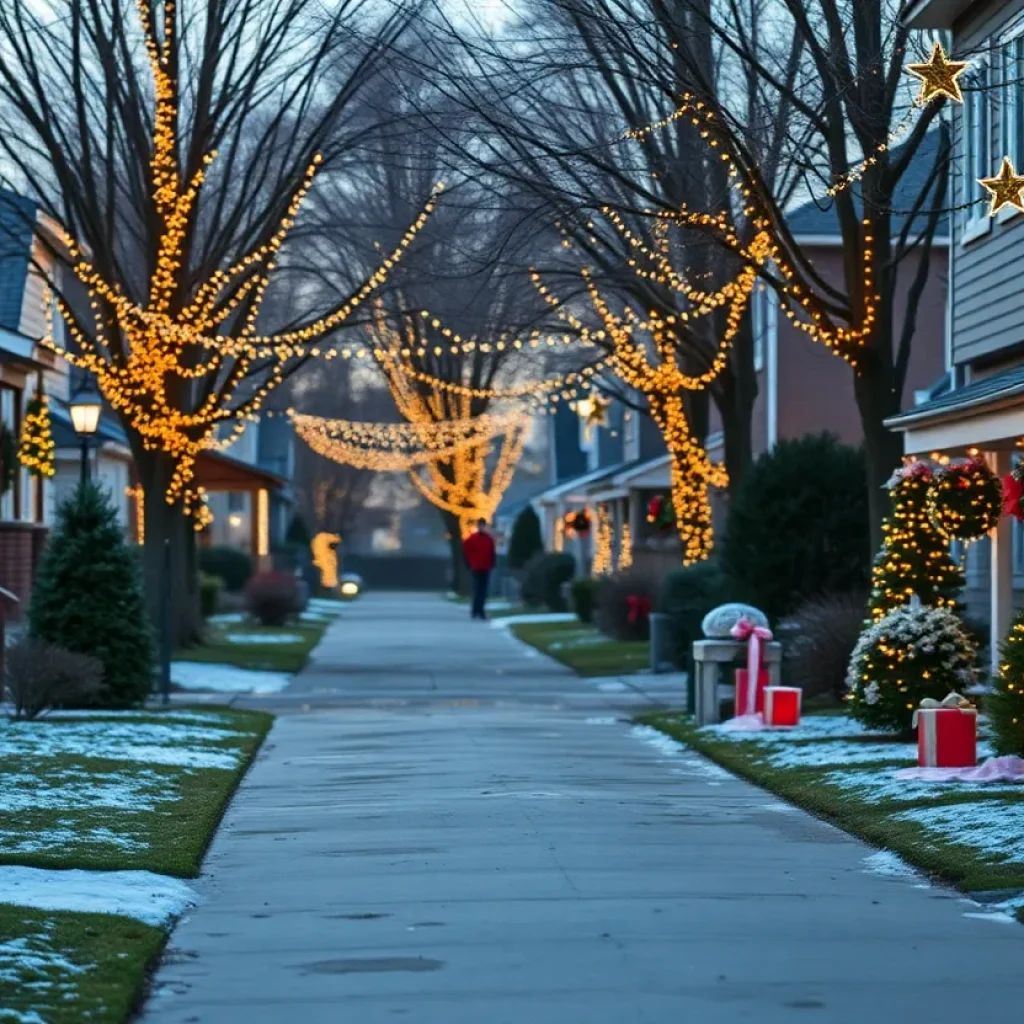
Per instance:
(110,111)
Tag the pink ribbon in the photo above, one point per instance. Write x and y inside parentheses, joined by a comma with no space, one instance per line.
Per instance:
(746,630)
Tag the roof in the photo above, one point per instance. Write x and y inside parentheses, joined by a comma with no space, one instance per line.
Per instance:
(987,392)
(814,220)
(934,13)
(17,225)
(563,487)
(64,436)
(217,471)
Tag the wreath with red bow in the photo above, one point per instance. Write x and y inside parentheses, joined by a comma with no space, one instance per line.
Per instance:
(580,523)
(965,500)
(1013,494)
(660,513)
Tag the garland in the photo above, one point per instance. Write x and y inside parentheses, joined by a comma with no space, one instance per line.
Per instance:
(36,452)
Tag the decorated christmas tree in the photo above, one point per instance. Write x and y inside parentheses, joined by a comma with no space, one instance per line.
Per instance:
(36,451)
(1005,706)
(88,596)
(914,559)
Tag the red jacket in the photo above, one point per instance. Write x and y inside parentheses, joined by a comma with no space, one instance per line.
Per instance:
(479,551)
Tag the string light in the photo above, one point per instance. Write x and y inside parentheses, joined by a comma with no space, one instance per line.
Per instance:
(170,344)
(37,449)
(138,496)
(602,563)
(625,548)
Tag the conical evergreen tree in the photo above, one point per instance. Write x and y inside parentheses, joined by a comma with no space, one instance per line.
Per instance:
(88,596)
(1005,706)
(914,558)
(526,540)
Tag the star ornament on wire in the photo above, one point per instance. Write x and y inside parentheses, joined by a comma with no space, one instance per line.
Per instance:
(939,76)
(595,410)
(1005,188)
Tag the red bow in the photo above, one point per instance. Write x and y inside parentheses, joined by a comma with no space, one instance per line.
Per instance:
(638,609)
(1013,491)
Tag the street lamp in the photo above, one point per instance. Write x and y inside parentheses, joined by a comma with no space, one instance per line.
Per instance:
(86,406)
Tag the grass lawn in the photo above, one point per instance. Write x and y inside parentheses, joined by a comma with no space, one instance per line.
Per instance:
(133,791)
(583,648)
(258,647)
(964,835)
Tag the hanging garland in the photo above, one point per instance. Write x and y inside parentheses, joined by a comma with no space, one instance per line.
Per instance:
(8,458)
(660,513)
(36,452)
(964,500)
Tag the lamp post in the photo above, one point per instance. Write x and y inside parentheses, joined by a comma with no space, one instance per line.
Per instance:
(86,406)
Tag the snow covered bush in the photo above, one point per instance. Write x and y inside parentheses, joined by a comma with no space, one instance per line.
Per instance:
(910,654)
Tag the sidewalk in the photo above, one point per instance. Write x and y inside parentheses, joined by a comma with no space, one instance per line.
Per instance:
(537,862)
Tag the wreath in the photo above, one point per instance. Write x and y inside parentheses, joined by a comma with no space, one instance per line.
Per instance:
(660,513)
(580,523)
(965,500)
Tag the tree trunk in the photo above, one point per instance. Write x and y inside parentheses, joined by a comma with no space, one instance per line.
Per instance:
(883,449)
(165,525)
(459,576)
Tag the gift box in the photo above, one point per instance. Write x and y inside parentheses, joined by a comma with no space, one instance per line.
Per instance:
(743,692)
(947,737)
(782,706)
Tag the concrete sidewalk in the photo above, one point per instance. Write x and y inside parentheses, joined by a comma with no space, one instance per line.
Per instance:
(530,859)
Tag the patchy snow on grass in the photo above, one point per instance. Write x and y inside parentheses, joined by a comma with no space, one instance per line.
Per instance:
(838,752)
(186,746)
(584,640)
(504,622)
(201,676)
(145,896)
(811,727)
(327,606)
(882,784)
(20,1017)
(53,839)
(75,791)
(886,863)
(992,827)
(229,618)
(30,963)
(263,638)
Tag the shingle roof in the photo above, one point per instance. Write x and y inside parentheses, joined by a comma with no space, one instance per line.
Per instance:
(1007,384)
(818,218)
(17,223)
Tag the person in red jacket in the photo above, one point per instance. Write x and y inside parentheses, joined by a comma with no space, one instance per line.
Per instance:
(480,553)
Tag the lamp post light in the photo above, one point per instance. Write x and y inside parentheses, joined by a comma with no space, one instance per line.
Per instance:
(86,406)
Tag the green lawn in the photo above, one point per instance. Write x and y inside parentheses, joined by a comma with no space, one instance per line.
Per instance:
(261,656)
(862,808)
(583,648)
(138,791)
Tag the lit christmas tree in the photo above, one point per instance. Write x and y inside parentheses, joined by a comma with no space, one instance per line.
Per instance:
(914,559)
(36,451)
(1005,705)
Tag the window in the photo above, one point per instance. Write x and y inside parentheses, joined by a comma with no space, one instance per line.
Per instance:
(10,416)
(977,162)
(1012,112)
(236,501)
(757,315)
(631,435)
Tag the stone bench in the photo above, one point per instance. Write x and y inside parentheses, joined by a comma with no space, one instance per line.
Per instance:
(709,656)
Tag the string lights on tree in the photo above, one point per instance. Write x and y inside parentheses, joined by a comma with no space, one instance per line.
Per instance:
(37,449)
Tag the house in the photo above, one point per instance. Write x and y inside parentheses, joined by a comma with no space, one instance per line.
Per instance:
(984,408)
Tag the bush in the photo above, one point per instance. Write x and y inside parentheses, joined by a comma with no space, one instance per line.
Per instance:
(40,676)
(273,597)
(88,598)
(817,642)
(584,596)
(687,595)
(617,613)
(209,594)
(798,525)
(543,578)
(910,654)
(526,540)
(234,567)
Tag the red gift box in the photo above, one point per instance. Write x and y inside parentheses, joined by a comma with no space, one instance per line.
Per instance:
(947,737)
(782,706)
(742,692)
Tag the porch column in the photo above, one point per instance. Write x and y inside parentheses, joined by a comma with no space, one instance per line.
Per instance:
(1000,568)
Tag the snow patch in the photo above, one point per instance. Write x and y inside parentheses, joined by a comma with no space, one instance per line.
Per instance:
(228,617)
(142,895)
(600,721)
(511,620)
(886,863)
(612,687)
(838,752)
(50,840)
(263,638)
(811,727)
(198,675)
(882,784)
(994,827)
(77,791)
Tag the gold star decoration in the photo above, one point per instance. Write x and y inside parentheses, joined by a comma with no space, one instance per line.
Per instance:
(939,76)
(594,411)
(1005,188)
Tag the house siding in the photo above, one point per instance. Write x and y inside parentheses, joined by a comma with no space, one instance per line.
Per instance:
(987,313)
